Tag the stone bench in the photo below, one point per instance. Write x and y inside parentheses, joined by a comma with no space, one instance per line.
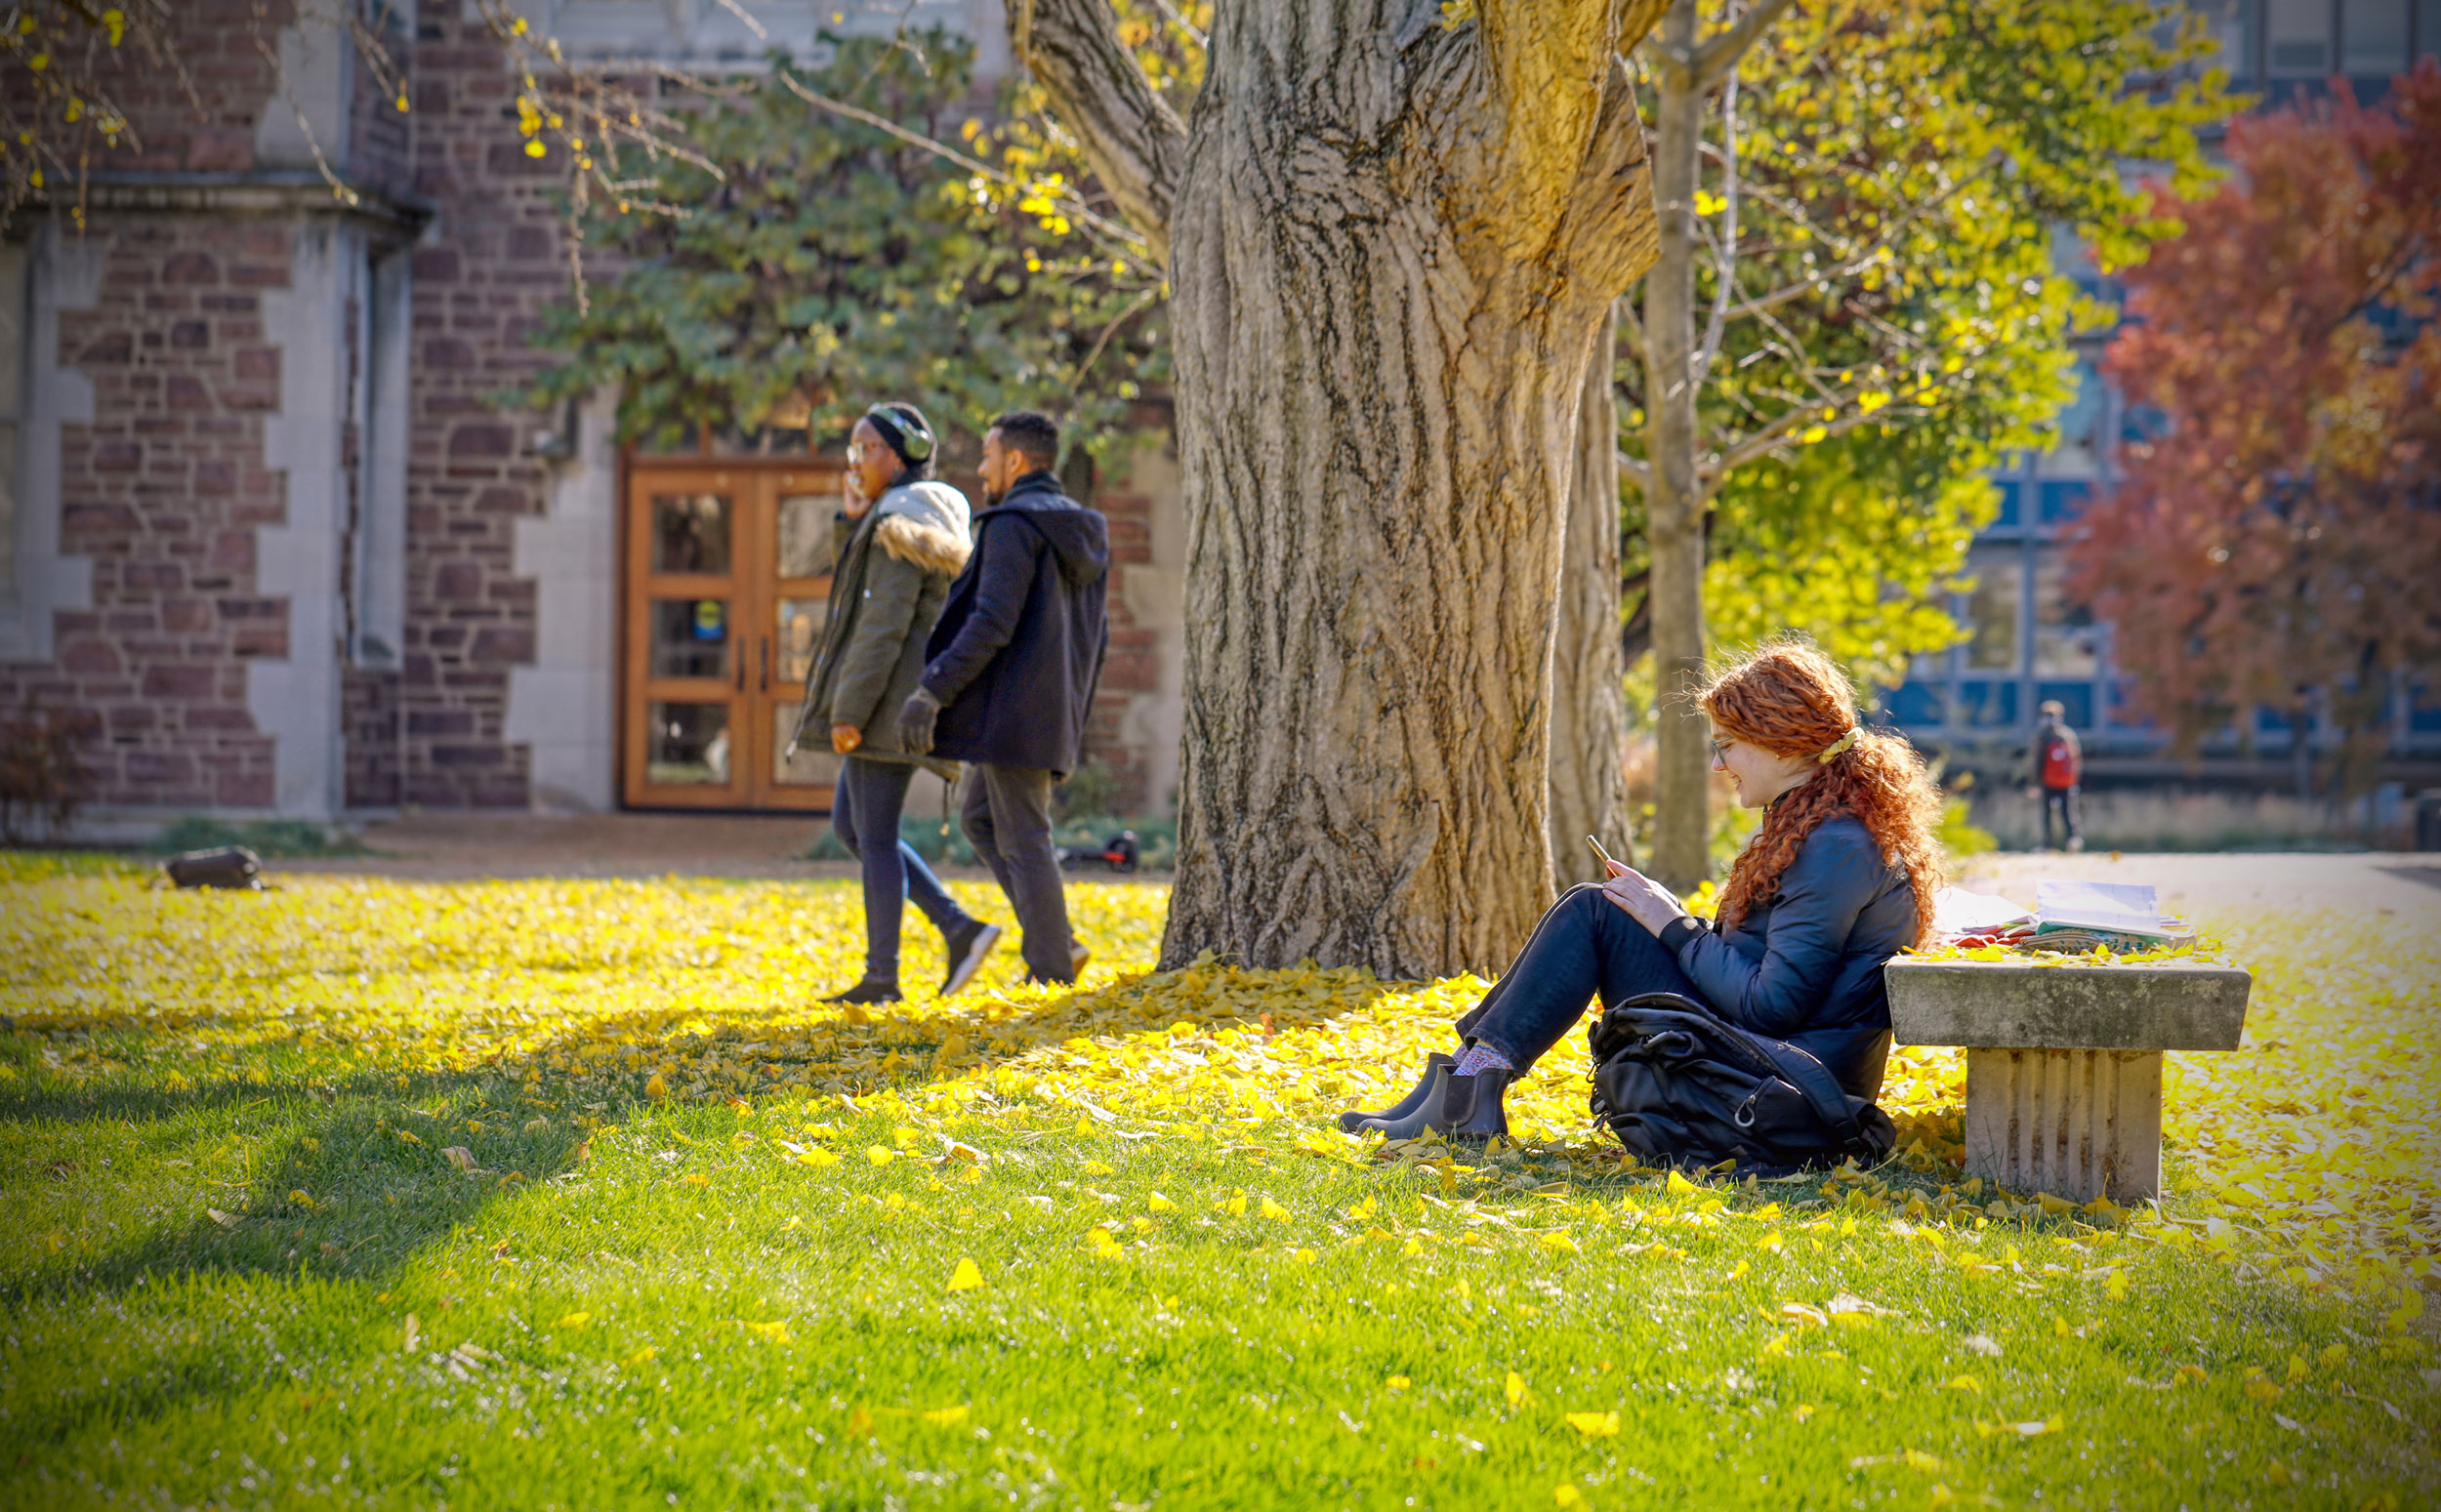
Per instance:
(2065,1063)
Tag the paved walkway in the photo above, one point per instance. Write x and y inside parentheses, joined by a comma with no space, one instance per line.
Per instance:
(456,846)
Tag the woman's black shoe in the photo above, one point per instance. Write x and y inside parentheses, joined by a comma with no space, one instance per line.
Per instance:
(1469,1109)
(1409,1125)
(1350,1123)
(967,946)
(867,992)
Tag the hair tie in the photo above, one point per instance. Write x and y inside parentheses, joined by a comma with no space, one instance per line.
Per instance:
(1824,756)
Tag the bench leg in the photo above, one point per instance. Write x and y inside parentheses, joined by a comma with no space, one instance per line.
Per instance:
(2077,1124)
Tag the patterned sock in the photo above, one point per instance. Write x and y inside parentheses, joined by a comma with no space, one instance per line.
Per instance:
(1479,1056)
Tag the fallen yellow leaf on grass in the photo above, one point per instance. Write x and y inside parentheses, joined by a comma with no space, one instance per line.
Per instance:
(1678,1184)
(655,1086)
(819,1159)
(859,1422)
(1558,1239)
(574,1321)
(1398,1383)
(1567,1496)
(969,1275)
(1514,1388)
(643,1354)
(878,1156)
(1963,1383)
(776,1333)
(1273,1211)
(947,1416)
(1595,1425)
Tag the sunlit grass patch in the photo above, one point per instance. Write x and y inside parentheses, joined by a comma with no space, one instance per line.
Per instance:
(534,1193)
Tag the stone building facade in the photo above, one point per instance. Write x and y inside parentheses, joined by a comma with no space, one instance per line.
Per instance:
(267,516)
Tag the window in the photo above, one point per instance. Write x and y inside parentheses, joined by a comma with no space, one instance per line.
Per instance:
(2372,39)
(2079,453)
(2427,28)
(1992,608)
(2296,37)
(12,353)
(2066,641)
(2225,20)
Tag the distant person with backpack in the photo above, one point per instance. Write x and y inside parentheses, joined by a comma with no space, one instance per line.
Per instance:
(897,544)
(2060,767)
(1014,664)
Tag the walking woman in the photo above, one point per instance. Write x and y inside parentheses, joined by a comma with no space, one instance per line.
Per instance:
(1839,878)
(901,537)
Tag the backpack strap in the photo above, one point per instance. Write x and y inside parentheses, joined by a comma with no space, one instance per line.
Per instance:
(1802,1070)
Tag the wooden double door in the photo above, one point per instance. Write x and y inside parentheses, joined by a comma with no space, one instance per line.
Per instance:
(726,568)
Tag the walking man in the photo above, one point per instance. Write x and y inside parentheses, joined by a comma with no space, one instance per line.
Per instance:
(1010,672)
(2060,767)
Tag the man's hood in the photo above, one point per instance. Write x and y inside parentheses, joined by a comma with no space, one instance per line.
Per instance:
(1080,537)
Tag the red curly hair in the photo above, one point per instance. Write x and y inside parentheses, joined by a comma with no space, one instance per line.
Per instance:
(1793,701)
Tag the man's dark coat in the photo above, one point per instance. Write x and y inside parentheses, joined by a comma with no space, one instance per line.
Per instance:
(1019,650)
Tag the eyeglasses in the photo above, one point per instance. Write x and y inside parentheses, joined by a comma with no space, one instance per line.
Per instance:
(1721,750)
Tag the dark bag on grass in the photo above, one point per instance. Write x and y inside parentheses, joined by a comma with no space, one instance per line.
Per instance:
(1681,1088)
(225,866)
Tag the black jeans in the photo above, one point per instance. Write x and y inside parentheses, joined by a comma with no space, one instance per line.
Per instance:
(864,815)
(2064,799)
(1005,812)
(1585,945)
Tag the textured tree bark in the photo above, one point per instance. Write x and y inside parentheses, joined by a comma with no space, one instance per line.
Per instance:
(1391,247)
(1589,666)
(1674,502)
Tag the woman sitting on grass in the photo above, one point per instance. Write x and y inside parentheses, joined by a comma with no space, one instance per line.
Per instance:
(1838,878)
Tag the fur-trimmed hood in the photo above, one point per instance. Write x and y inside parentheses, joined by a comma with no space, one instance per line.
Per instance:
(925,524)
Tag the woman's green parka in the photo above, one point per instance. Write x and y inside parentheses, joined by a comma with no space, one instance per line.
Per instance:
(890,573)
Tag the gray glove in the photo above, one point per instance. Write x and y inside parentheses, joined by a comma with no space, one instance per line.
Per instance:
(916,720)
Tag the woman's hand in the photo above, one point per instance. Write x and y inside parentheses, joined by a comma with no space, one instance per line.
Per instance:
(1643,899)
(851,500)
(846,738)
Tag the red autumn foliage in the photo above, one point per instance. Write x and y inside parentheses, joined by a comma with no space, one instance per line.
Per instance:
(2276,540)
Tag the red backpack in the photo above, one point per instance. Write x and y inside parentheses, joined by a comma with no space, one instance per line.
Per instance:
(2059,761)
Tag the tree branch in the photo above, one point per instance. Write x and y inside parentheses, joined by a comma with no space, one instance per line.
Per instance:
(1134,142)
(1712,61)
(1070,205)
(1636,471)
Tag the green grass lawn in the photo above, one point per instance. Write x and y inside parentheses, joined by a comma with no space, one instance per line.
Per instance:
(707,1243)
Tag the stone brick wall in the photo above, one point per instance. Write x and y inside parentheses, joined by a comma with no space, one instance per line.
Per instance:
(164,492)
(482,273)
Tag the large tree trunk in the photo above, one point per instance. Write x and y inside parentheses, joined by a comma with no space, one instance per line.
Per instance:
(1672,498)
(1392,244)
(1588,668)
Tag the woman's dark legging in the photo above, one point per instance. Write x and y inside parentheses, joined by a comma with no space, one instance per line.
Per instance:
(1585,945)
(867,802)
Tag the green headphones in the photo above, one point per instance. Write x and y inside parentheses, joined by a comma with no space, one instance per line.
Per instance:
(915,439)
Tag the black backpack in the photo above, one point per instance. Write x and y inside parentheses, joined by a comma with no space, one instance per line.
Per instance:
(1681,1088)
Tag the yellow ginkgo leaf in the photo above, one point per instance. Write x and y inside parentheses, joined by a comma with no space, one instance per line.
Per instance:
(1398,1383)
(643,1354)
(1677,1183)
(574,1321)
(967,1277)
(656,1086)
(818,1159)
(1567,1496)
(1595,1425)
(1160,1204)
(878,1156)
(1558,1239)
(1514,1388)
(1273,1211)
(947,1416)
(1963,1383)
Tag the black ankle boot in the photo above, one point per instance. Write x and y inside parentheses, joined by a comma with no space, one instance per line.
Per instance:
(1410,1123)
(867,991)
(1350,1121)
(1469,1109)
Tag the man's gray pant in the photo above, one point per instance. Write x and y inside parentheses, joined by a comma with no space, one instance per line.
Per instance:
(1005,812)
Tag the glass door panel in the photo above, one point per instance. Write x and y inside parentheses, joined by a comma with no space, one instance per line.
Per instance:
(686,738)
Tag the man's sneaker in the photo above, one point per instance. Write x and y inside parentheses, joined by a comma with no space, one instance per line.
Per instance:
(1078,956)
(867,992)
(966,949)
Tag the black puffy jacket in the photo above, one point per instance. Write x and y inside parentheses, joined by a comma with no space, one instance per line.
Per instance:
(1019,650)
